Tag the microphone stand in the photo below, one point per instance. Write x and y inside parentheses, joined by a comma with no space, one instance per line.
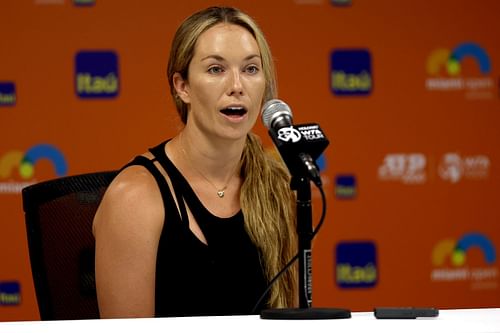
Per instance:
(302,185)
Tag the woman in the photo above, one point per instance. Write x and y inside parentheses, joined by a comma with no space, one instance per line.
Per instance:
(201,223)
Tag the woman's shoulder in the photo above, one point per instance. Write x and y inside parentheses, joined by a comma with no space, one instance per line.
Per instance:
(132,182)
(133,199)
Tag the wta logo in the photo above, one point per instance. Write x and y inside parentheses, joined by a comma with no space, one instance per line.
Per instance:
(18,164)
(451,257)
(446,68)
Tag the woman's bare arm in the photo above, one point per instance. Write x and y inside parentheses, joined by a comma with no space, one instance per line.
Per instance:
(127,228)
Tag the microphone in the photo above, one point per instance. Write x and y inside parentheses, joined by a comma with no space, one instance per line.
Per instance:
(299,145)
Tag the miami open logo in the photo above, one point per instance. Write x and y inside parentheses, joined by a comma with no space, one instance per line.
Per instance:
(445,68)
(16,164)
(449,257)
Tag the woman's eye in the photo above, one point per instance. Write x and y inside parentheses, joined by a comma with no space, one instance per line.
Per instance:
(252,69)
(215,70)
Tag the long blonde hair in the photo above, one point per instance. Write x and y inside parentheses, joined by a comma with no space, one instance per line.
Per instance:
(270,221)
(266,199)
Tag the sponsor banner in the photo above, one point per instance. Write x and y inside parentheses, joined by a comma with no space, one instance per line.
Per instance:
(351,72)
(449,259)
(96,74)
(356,264)
(444,69)
(17,165)
(10,293)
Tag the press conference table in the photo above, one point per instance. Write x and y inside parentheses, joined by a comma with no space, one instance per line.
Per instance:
(457,321)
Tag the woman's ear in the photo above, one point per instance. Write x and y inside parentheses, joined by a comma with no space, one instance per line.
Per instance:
(181,87)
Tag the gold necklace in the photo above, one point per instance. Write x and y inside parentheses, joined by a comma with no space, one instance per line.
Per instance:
(220,192)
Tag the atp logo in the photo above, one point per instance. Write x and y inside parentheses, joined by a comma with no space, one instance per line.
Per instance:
(96,74)
(23,164)
(351,72)
(449,62)
(7,94)
(449,256)
(406,168)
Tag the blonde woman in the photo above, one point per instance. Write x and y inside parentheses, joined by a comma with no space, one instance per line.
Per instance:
(201,223)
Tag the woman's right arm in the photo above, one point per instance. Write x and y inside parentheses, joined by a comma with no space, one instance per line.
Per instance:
(127,227)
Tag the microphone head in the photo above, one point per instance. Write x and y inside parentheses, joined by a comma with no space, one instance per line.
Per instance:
(273,110)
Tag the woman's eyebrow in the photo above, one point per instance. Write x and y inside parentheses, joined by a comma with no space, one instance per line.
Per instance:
(220,58)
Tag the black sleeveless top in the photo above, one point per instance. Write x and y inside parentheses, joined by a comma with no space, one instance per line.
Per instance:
(224,277)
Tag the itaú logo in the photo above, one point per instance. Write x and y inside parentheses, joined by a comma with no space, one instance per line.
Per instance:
(288,134)
(449,257)
(22,164)
(96,74)
(7,94)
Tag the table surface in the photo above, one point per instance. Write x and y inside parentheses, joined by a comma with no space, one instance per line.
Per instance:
(457,320)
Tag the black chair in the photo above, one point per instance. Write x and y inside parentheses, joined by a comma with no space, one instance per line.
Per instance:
(59,215)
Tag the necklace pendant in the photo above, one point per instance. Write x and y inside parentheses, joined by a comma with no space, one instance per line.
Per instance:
(220,193)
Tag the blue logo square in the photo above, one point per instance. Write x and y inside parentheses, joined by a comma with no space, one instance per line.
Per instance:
(345,186)
(84,3)
(356,264)
(10,293)
(341,2)
(96,74)
(7,94)
(351,72)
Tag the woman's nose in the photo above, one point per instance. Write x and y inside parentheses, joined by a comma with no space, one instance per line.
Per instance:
(236,87)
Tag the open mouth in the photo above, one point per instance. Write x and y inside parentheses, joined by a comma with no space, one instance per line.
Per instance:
(234,111)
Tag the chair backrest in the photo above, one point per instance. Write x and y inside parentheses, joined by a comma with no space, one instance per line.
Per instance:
(59,215)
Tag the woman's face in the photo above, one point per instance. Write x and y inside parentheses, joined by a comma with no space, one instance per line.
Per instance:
(225,84)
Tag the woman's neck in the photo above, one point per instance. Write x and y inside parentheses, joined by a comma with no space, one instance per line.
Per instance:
(215,159)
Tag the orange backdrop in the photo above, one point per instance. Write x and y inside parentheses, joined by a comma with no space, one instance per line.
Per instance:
(406,91)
